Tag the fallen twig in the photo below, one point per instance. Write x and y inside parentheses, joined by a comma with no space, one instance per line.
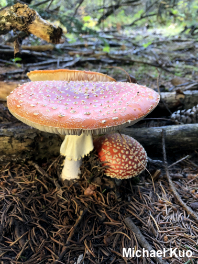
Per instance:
(21,17)
(141,239)
(177,196)
(29,142)
(180,160)
(65,248)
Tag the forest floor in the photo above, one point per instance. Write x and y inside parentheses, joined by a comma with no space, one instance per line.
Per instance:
(46,221)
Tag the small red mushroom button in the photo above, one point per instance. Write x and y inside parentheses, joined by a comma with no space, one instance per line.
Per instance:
(124,156)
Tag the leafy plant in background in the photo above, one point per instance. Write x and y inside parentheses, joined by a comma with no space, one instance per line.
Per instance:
(145,45)
(106,48)
(3,3)
(88,17)
(15,61)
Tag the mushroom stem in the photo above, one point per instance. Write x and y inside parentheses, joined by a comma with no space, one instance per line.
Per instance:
(71,169)
(75,148)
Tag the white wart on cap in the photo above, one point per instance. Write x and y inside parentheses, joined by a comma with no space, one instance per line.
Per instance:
(124,156)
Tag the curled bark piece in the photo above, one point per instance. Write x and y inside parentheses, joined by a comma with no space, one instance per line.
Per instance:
(21,17)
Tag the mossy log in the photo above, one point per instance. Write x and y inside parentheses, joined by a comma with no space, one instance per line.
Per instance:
(21,17)
(19,141)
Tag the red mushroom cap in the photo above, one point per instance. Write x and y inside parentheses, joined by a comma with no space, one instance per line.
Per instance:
(64,107)
(124,156)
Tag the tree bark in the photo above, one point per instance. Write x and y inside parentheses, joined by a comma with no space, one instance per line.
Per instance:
(178,137)
(21,17)
(19,141)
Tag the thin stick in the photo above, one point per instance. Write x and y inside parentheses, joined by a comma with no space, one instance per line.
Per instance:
(121,70)
(65,248)
(142,240)
(56,160)
(173,164)
(177,196)
(79,4)
(49,5)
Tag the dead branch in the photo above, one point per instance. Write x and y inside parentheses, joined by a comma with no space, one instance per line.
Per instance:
(38,47)
(41,3)
(178,137)
(27,52)
(111,9)
(21,17)
(176,194)
(143,15)
(186,99)
(65,248)
(141,239)
(140,18)
(76,10)
(127,59)
(19,141)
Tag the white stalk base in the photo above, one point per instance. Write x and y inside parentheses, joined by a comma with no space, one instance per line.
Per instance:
(75,148)
(71,169)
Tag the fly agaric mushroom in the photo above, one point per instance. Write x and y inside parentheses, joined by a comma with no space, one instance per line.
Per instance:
(79,109)
(124,156)
(68,75)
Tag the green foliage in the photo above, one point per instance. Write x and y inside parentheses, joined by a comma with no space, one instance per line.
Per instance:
(15,61)
(147,44)
(106,48)
(178,12)
(86,18)
(73,25)
(3,3)
(71,37)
